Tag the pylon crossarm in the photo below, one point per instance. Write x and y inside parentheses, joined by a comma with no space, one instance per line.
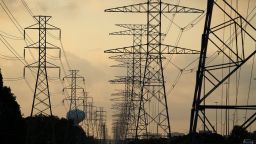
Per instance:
(31,27)
(133,26)
(52,27)
(166,8)
(120,99)
(244,107)
(128,32)
(38,17)
(127,50)
(121,80)
(119,65)
(72,88)
(36,27)
(47,46)
(170,8)
(34,64)
(120,57)
(142,7)
(52,46)
(165,49)
(169,49)
(51,65)
(134,32)
(74,99)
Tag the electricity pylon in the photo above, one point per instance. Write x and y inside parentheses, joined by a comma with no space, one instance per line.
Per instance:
(236,52)
(41,99)
(87,122)
(153,83)
(75,91)
(133,79)
(101,126)
(128,103)
(91,118)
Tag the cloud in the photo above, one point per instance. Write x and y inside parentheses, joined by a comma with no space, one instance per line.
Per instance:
(57,5)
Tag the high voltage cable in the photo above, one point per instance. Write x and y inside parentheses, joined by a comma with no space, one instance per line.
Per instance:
(27,7)
(16,54)
(64,53)
(17,26)
(212,57)
(9,36)
(182,29)
(229,40)
(63,50)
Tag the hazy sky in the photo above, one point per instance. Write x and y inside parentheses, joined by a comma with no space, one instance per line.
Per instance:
(85,35)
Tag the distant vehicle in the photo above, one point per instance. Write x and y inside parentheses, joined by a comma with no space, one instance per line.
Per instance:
(248,141)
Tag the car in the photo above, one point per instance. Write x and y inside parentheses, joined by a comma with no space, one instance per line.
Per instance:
(247,141)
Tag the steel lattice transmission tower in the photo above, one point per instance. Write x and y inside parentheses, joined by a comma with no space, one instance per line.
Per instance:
(101,126)
(75,91)
(41,100)
(128,103)
(237,51)
(133,79)
(153,90)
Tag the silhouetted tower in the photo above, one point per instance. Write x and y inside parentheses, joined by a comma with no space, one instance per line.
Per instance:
(101,128)
(236,51)
(75,98)
(88,121)
(41,100)
(153,83)
(132,81)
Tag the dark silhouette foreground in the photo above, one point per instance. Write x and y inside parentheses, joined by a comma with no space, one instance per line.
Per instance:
(14,129)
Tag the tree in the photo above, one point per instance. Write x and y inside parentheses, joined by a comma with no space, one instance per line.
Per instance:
(54,131)
(238,134)
(11,122)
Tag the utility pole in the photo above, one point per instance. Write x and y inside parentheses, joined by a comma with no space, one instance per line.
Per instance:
(42,100)
(153,91)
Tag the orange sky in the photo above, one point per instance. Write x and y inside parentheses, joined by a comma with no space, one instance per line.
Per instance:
(85,35)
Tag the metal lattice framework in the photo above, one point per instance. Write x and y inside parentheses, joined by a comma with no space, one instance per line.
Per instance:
(75,91)
(101,124)
(41,99)
(208,78)
(132,81)
(153,93)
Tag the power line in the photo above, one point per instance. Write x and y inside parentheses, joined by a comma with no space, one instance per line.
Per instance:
(18,26)
(9,36)
(27,7)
